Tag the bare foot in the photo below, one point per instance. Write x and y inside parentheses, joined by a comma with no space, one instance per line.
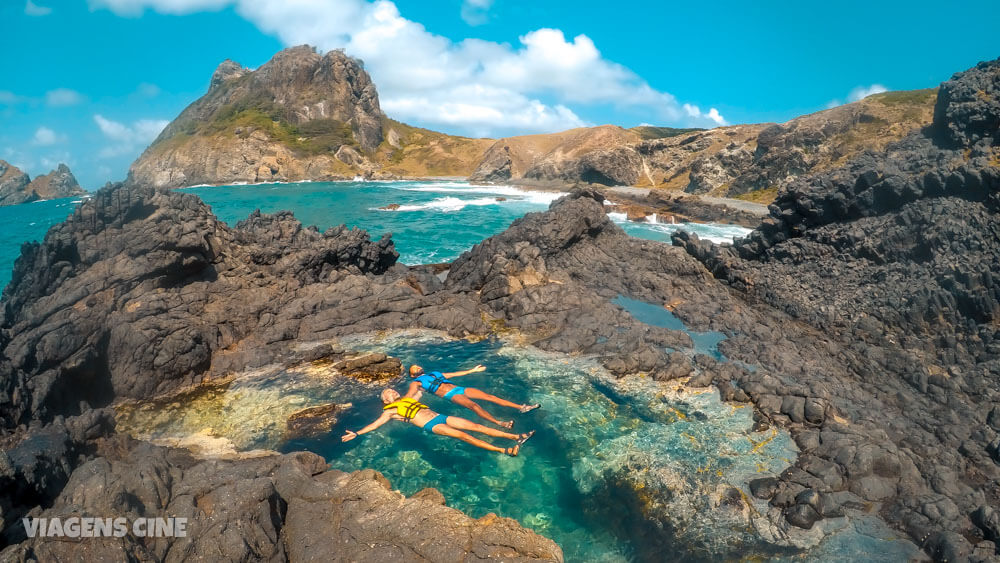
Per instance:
(529,408)
(512,451)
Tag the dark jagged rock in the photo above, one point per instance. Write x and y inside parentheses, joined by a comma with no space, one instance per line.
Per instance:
(894,257)
(273,508)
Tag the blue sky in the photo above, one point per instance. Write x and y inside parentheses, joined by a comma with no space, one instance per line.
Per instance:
(90,82)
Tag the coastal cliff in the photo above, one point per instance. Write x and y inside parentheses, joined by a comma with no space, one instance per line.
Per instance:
(300,116)
(754,161)
(306,116)
(17,187)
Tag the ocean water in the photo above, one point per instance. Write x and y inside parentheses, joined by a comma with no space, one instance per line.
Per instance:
(28,222)
(435,221)
(653,230)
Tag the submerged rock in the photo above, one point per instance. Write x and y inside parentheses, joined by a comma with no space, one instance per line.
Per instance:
(314,420)
(371,367)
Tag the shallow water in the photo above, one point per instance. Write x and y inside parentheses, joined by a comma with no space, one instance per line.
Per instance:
(704,342)
(609,455)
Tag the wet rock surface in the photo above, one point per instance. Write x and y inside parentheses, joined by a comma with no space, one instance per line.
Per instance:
(860,316)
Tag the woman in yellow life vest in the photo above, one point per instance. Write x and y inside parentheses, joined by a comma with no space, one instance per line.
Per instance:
(440,384)
(409,410)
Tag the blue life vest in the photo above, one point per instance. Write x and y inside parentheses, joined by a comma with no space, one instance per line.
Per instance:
(432,381)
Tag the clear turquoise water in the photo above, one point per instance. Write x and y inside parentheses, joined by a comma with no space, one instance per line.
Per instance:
(25,223)
(612,460)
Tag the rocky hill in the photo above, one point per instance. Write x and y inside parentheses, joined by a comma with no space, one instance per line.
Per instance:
(16,187)
(300,116)
(727,161)
(306,116)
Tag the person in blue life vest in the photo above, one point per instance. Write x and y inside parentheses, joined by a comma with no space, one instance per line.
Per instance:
(407,409)
(441,385)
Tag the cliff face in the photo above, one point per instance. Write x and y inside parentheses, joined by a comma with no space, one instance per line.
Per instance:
(13,184)
(16,187)
(300,116)
(56,184)
(283,121)
(727,161)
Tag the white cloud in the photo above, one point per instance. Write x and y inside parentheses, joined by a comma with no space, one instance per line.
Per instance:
(32,9)
(148,90)
(9,98)
(127,139)
(473,85)
(62,97)
(712,115)
(45,137)
(476,12)
(862,92)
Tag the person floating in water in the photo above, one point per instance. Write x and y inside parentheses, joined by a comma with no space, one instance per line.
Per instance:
(409,410)
(439,384)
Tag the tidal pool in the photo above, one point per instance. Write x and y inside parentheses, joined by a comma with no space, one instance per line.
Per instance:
(619,470)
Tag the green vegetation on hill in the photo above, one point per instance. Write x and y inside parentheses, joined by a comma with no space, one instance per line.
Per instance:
(927,96)
(648,132)
(259,113)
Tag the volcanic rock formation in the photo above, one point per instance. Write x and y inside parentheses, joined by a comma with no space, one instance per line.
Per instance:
(16,187)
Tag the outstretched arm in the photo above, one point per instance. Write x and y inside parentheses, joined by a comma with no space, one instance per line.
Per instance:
(476,369)
(414,392)
(386,417)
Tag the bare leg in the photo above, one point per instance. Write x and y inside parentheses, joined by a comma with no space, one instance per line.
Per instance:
(474,393)
(474,407)
(446,430)
(462,424)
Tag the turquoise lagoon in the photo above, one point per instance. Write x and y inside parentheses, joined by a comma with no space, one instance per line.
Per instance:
(611,458)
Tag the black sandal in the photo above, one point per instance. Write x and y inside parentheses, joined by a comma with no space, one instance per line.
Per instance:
(529,408)
(513,450)
(524,437)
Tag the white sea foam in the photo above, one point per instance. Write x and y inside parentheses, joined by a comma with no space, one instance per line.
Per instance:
(715,232)
(444,204)
(507,191)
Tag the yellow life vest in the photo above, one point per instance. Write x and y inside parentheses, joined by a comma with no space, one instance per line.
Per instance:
(405,407)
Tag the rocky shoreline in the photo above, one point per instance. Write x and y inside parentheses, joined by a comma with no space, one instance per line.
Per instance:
(861,316)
